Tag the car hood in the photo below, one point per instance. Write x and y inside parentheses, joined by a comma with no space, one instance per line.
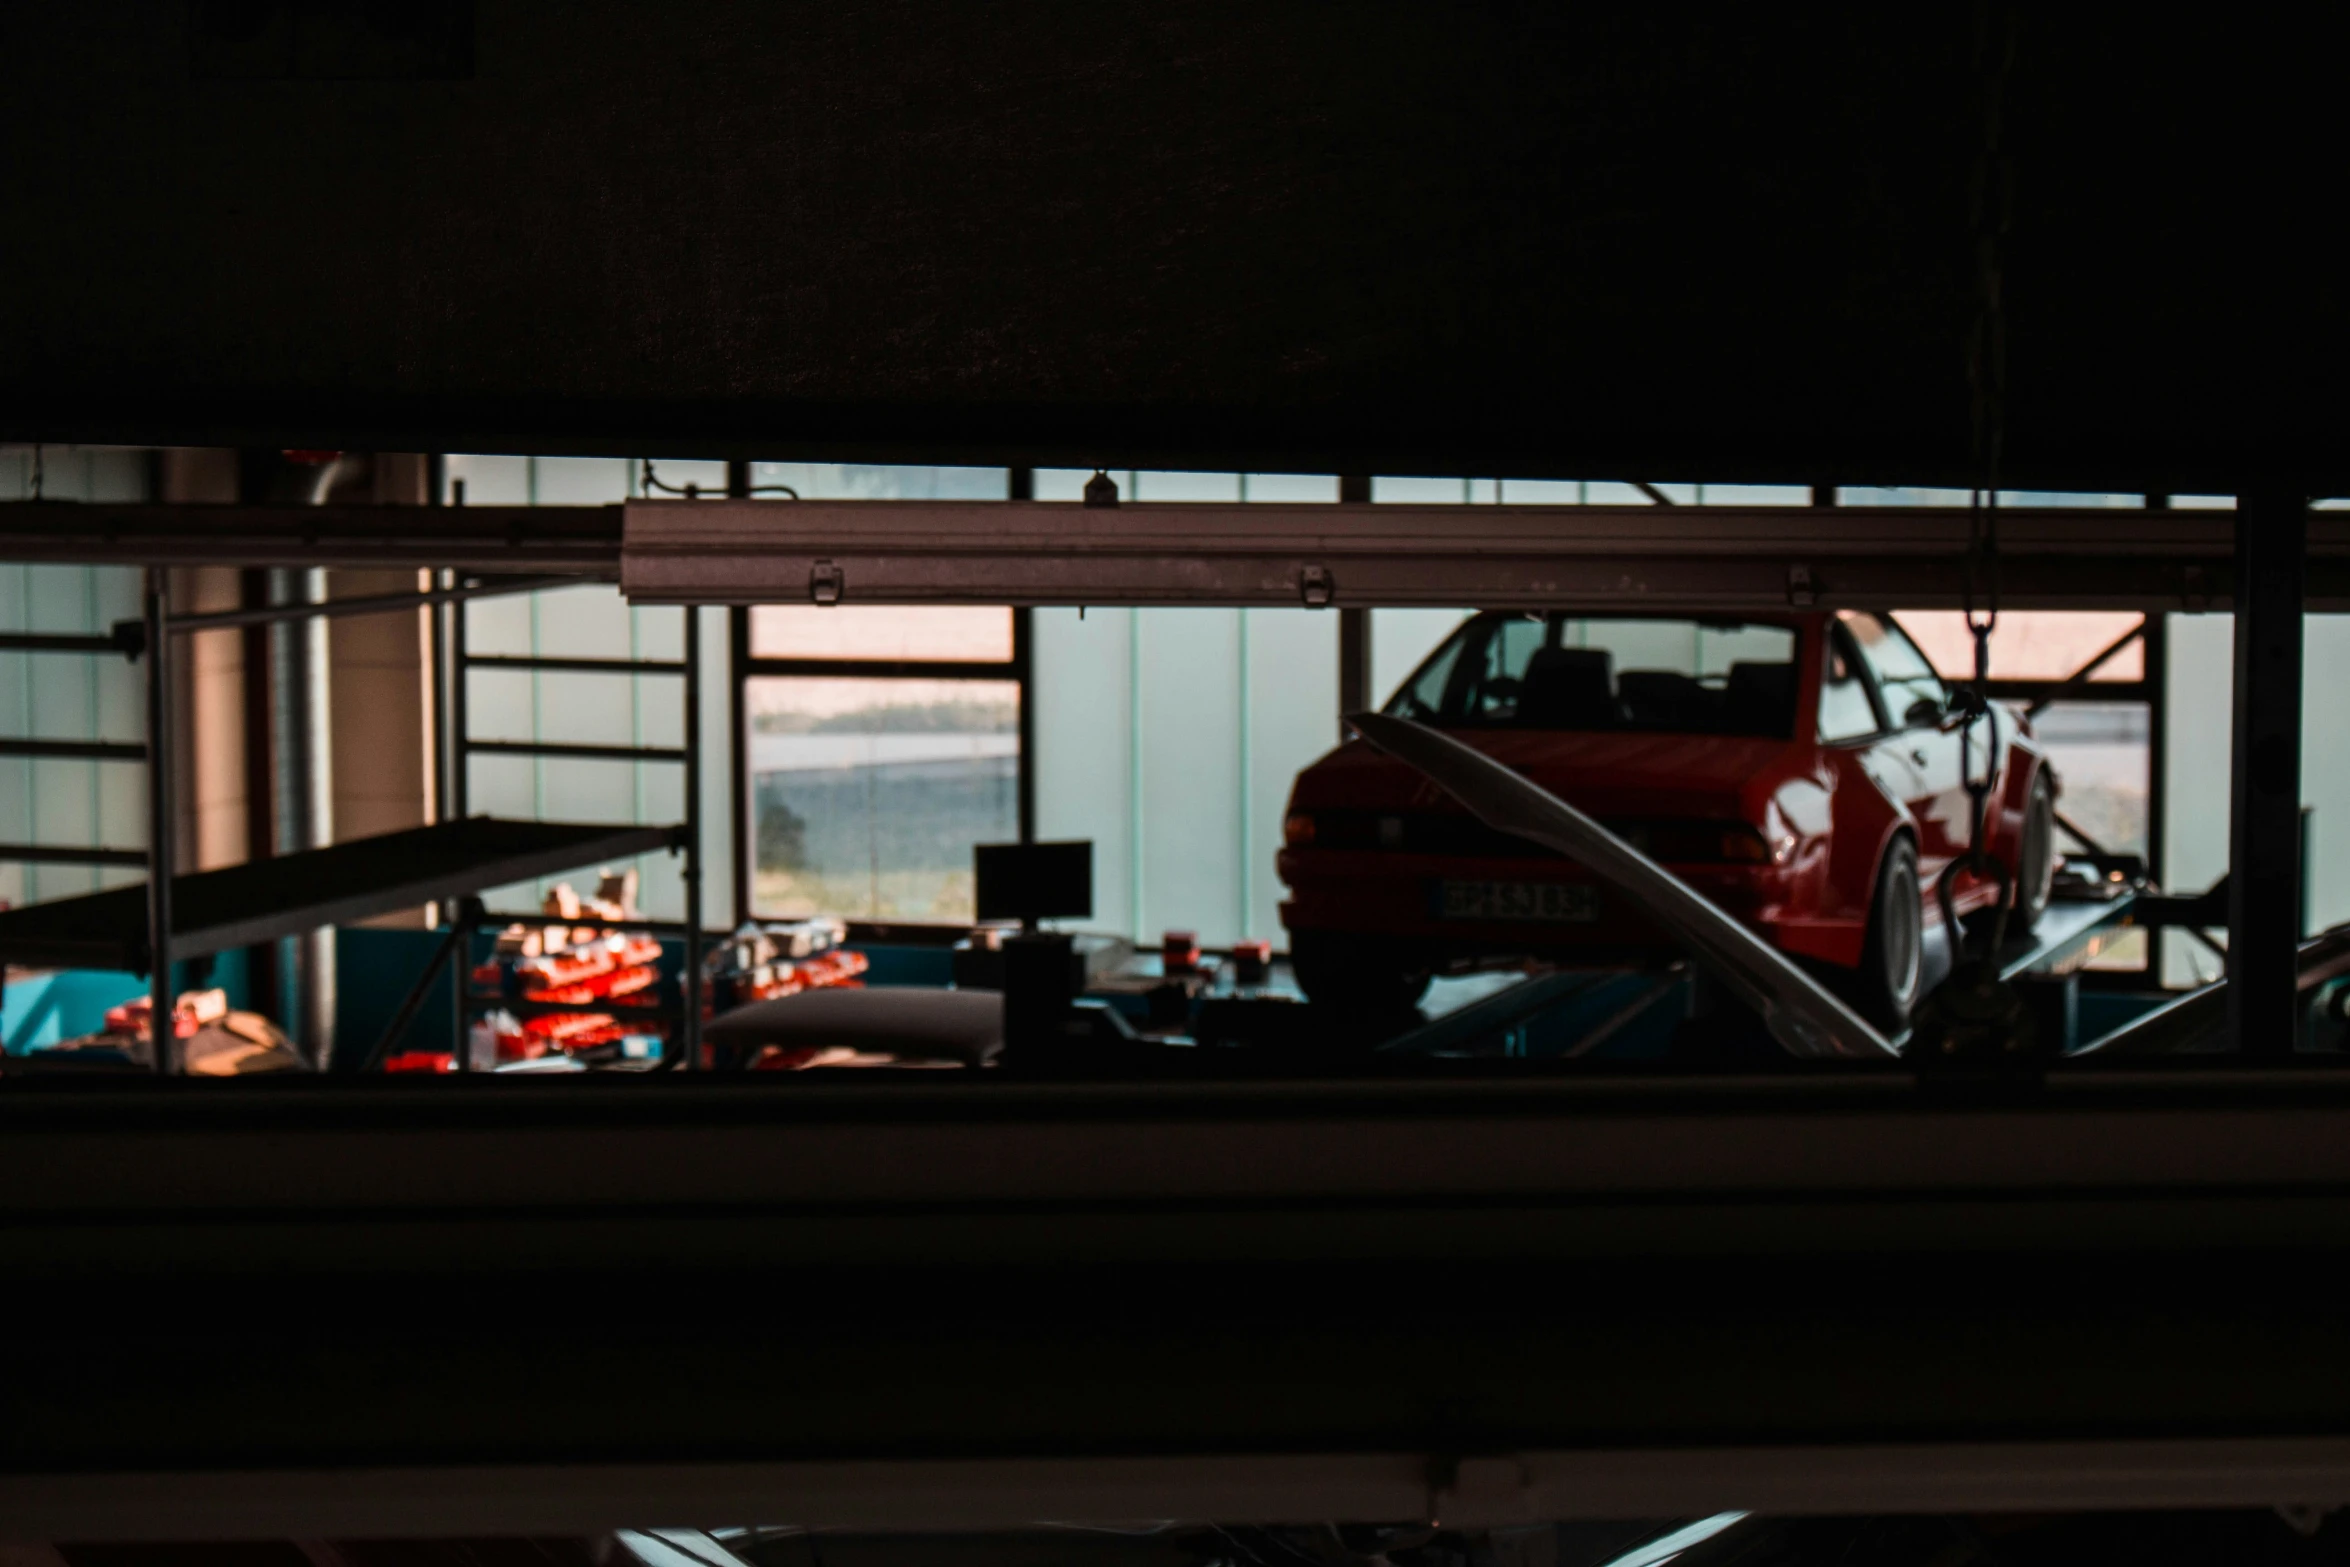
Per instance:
(1613,775)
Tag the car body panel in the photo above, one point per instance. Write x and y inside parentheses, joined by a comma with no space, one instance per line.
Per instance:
(1827,813)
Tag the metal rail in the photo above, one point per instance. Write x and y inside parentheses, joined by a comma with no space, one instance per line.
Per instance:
(74,750)
(161,1020)
(58,642)
(371,604)
(581,540)
(1350,555)
(577,753)
(575,666)
(60,854)
(1683,558)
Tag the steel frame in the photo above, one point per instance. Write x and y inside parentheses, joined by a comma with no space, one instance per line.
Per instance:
(451,651)
(582,540)
(160,536)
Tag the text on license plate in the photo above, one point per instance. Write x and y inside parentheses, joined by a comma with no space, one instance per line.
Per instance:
(1569,903)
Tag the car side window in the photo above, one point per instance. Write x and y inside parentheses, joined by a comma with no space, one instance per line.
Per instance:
(1502,678)
(1904,678)
(1848,708)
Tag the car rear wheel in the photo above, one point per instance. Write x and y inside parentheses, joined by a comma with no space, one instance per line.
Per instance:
(2035,856)
(1892,961)
(1355,974)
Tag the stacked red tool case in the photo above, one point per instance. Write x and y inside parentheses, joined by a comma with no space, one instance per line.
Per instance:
(609,974)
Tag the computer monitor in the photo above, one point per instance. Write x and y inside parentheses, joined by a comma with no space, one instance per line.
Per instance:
(1034,881)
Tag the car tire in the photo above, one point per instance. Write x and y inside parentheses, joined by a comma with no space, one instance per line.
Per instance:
(1357,975)
(2035,857)
(1893,953)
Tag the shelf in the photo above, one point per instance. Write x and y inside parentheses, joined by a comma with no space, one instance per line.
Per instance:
(213,911)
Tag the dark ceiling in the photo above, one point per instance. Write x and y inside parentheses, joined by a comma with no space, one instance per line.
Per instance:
(1499,238)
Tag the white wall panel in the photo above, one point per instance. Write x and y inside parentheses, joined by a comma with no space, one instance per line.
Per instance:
(2196,781)
(1400,639)
(67,696)
(1191,772)
(1083,730)
(2325,769)
(1292,719)
(2195,775)
(1211,712)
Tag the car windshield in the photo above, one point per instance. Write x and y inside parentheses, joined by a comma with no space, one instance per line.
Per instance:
(1667,676)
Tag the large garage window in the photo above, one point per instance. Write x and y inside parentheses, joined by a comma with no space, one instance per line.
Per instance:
(2098,728)
(2090,676)
(879,745)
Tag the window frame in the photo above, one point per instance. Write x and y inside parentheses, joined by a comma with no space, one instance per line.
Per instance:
(2150,690)
(1839,641)
(1474,640)
(745,668)
(1898,723)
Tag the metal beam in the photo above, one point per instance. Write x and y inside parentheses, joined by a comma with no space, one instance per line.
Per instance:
(583,539)
(162,1020)
(578,666)
(1025,552)
(44,642)
(2264,858)
(371,604)
(1354,628)
(74,750)
(1705,559)
(1004,1197)
(61,854)
(579,753)
(898,1497)
(2080,677)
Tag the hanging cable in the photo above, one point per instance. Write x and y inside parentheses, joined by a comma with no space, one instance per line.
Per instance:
(1977,1015)
(1987,378)
(694,492)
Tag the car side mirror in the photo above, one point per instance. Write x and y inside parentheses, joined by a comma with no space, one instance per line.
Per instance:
(1923,713)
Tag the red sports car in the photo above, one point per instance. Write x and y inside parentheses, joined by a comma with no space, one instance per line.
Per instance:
(1802,771)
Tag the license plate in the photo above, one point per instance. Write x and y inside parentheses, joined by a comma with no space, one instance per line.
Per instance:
(1570,903)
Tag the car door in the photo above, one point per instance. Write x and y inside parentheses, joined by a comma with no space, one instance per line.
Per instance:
(1853,718)
(1917,707)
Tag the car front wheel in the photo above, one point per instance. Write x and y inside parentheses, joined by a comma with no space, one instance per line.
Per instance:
(1355,974)
(1892,962)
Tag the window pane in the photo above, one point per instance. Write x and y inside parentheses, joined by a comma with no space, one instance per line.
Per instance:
(958,633)
(1649,674)
(1846,711)
(2101,751)
(868,795)
(1904,678)
(2029,644)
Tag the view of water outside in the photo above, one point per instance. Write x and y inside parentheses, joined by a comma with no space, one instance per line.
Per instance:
(868,794)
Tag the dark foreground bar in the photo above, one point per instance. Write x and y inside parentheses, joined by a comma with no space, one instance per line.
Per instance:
(573,1304)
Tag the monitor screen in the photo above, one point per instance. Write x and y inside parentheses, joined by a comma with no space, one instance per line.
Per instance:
(1034,881)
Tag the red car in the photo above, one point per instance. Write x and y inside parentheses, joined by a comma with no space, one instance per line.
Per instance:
(1801,771)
